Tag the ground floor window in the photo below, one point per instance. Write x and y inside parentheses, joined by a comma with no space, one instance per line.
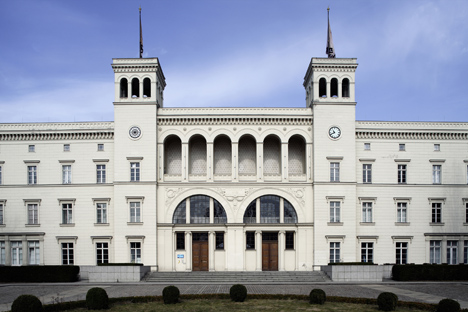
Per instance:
(250,240)
(135,252)
(401,253)
(465,253)
(102,253)
(434,252)
(33,252)
(16,253)
(2,253)
(289,240)
(452,247)
(367,252)
(219,240)
(67,254)
(334,252)
(180,241)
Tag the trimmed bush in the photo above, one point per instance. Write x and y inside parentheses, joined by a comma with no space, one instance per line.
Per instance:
(448,305)
(97,299)
(39,273)
(238,293)
(317,296)
(171,295)
(387,301)
(28,303)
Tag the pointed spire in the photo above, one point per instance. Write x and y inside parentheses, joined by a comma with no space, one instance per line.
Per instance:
(330,48)
(141,38)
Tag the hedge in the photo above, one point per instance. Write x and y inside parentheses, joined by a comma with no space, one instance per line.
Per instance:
(430,272)
(120,264)
(38,274)
(352,263)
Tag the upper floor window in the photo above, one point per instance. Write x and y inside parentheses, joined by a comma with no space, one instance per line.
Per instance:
(247,156)
(146,88)
(402,212)
(1,177)
(367,173)
(66,147)
(32,174)
(2,213)
(268,208)
(401,147)
(31,148)
(345,88)
(367,146)
(123,88)
(201,209)
(367,212)
(272,156)
(436,174)
(33,213)
(67,213)
(101,213)
(135,88)
(334,172)
(296,155)
(437,147)
(66,174)
(197,156)
(101,173)
(135,171)
(322,87)
(401,173)
(335,211)
(135,212)
(100,147)
(173,156)
(334,87)
(436,212)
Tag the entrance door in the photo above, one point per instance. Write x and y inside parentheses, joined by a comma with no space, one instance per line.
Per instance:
(269,251)
(200,252)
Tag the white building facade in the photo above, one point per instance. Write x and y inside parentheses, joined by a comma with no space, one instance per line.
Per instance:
(233,189)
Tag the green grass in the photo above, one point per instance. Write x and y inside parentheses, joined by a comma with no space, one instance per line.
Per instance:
(220,305)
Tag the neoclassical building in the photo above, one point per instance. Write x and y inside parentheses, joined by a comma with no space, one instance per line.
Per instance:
(233,189)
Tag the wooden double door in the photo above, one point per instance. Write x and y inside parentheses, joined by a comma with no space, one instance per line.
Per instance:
(200,252)
(270,251)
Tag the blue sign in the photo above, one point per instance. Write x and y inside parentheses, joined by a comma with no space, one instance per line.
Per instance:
(180,256)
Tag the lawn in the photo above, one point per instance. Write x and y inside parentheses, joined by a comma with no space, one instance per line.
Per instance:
(220,305)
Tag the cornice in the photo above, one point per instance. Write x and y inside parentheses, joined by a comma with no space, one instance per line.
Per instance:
(53,136)
(190,121)
(407,135)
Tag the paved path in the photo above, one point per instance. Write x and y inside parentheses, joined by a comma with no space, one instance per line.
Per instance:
(418,292)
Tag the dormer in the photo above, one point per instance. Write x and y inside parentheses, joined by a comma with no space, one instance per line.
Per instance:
(330,80)
(138,80)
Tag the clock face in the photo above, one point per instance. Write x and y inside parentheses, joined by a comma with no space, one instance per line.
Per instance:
(134,132)
(334,132)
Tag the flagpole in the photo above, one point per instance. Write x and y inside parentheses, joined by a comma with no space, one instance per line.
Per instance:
(141,38)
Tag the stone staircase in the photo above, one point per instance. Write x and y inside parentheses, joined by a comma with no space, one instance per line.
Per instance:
(219,278)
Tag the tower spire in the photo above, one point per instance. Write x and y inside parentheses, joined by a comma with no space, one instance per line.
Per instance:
(141,38)
(330,48)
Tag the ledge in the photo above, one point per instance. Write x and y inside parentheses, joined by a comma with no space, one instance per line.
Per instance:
(32,225)
(335,223)
(134,223)
(436,224)
(101,224)
(67,224)
(367,223)
(402,223)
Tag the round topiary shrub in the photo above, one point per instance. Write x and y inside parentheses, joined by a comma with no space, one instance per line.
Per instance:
(317,296)
(28,303)
(448,305)
(387,301)
(238,293)
(171,294)
(97,299)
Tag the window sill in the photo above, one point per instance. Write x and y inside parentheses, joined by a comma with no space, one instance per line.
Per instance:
(32,225)
(101,224)
(436,223)
(402,223)
(465,223)
(67,224)
(367,223)
(335,223)
(134,223)
(2,225)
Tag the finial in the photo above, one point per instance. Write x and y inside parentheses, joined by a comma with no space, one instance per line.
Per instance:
(327,9)
(140,8)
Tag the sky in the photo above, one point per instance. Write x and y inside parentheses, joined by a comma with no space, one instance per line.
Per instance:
(55,55)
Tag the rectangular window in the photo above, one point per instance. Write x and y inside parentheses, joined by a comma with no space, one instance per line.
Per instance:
(16,253)
(367,212)
(135,212)
(33,253)
(334,172)
(437,147)
(102,253)
(33,214)
(180,240)
(367,252)
(367,173)
(436,174)
(466,212)
(135,252)
(2,213)
(401,147)
(135,171)
(1,180)
(101,173)
(101,213)
(250,240)
(67,254)
(2,253)
(465,253)
(334,252)
(31,148)
(436,212)
(219,240)
(66,174)
(67,213)
(100,147)
(289,240)
(32,174)
(66,147)
(401,212)
(367,146)
(452,255)
(401,174)
(335,211)
(401,253)
(434,251)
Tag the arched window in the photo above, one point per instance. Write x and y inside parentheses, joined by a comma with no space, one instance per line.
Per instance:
(272,155)
(173,155)
(123,88)
(269,209)
(345,88)
(197,155)
(322,87)
(247,155)
(146,87)
(200,210)
(334,87)
(296,156)
(222,156)
(135,88)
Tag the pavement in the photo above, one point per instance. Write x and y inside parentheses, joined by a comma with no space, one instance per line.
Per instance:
(428,292)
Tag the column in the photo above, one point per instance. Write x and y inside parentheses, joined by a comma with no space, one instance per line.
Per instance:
(209,161)
(258,247)
(328,89)
(185,161)
(235,155)
(211,211)
(281,248)
(187,210)
(281,209)
(259,161)
(160,173)
(211,249)
(284,160)
(309,161)
(188,248)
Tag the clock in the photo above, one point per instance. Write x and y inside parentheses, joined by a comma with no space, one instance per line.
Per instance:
(134,132)
(334,132)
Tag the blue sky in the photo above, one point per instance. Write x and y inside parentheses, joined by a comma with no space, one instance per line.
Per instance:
(55,56)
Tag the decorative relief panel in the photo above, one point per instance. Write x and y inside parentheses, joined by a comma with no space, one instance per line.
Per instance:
(298,193)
